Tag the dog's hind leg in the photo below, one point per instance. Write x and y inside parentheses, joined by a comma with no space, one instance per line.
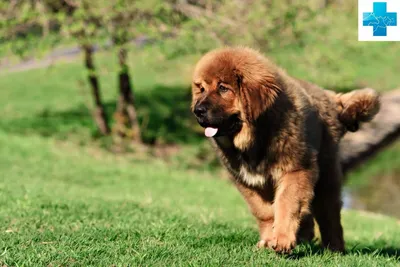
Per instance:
(327,205)
(306,231)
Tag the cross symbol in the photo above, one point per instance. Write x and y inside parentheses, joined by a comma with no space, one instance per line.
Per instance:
(380,19)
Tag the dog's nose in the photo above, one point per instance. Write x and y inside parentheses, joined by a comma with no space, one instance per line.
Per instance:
(200,110)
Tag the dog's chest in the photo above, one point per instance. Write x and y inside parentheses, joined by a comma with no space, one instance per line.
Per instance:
(258,177)
(252,178)
(251,170)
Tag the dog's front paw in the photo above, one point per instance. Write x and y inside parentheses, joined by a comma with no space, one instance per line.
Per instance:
(282,243)
(262,243)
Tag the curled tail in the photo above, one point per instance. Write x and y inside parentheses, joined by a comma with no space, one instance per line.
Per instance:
(357,106)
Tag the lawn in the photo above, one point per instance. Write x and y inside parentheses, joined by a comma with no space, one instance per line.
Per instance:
(62,204)
(65,200)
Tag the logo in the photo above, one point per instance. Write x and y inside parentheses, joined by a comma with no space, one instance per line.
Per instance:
(377,20)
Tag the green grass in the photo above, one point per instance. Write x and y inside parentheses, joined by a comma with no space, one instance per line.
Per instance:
(34,102)
(384,164)
(61,204)
(37,103)
(64,200)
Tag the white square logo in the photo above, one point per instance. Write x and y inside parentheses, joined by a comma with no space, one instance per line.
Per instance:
(378,20)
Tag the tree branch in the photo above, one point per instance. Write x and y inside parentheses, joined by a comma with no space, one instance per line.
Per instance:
(193,11)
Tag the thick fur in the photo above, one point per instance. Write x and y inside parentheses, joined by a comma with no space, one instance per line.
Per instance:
(283,156)
(357,107)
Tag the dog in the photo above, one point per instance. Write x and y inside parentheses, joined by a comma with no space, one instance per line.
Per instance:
(278,137)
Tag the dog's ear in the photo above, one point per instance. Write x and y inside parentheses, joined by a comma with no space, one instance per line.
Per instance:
(258,90)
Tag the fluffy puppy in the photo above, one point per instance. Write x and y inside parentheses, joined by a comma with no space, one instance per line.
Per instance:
(278,137)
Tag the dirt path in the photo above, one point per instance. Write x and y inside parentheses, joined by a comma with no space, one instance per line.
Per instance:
(60,55)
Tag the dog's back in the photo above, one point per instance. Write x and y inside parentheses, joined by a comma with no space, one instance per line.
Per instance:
(343,112)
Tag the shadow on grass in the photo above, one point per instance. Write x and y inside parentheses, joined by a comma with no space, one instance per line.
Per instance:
(315,248)
(164,115)
(246,239)
(377,251)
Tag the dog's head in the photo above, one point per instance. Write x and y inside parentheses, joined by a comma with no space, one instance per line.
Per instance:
(231,88)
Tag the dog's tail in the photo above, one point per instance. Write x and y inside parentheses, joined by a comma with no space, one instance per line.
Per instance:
(357,106)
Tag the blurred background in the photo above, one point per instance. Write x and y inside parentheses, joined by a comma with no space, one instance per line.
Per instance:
(113,78)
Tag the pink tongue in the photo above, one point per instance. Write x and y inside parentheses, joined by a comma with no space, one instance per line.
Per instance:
(210,132)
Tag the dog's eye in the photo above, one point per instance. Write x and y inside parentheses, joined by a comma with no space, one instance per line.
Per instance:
(202,89)
(222,89)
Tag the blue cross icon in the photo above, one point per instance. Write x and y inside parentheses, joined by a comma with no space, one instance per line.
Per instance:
(380,19)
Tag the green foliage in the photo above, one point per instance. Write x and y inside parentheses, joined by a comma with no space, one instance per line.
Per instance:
(18,25)
(312,41)
(24,24)
(266,25)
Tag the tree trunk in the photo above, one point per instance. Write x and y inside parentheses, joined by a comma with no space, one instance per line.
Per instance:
(99,113)
(44,19)
(125,106)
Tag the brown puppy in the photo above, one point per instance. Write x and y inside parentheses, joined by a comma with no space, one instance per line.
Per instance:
(278,137)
